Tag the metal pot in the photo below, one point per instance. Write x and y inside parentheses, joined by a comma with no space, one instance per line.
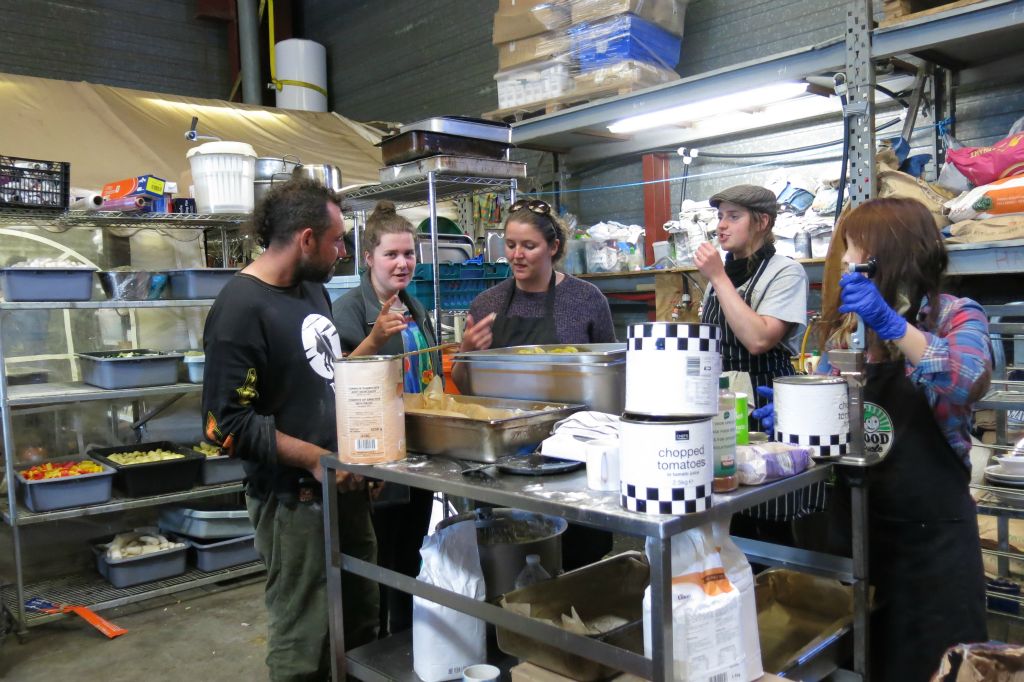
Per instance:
(271,169)
(323,173)
(506,536)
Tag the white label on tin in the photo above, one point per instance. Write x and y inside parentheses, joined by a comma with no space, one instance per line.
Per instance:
(667,455)
(363,412)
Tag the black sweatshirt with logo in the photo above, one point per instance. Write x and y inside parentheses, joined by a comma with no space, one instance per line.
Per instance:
(268,368)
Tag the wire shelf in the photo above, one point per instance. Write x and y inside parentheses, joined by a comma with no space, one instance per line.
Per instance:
(413,192)
(93,591)
(95,219)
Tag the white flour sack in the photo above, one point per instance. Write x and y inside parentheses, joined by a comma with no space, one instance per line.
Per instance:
(445,641)
(707,636)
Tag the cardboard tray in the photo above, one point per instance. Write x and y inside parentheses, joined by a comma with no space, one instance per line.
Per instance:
(152,478)
(613,586)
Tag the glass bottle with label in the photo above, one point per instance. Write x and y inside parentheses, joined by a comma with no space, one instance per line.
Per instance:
(724,425)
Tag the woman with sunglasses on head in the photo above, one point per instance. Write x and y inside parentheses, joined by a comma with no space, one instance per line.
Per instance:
(380,318)
(929,361)
(541,306)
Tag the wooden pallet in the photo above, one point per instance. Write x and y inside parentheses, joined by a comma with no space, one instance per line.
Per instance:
(575,98)
(898,11)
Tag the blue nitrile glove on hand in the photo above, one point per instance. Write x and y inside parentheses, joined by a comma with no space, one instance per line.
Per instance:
(861,296)
(766,414)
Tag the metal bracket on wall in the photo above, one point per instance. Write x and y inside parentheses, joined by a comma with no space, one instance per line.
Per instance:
(860,73)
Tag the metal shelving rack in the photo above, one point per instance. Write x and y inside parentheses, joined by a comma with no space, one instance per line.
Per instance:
(566,496)
(425,191)
(91,590)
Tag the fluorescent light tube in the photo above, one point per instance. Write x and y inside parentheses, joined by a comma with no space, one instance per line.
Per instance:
(751,99)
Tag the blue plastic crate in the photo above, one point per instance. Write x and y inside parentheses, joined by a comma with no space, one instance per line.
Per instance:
(600,43)
(455,294)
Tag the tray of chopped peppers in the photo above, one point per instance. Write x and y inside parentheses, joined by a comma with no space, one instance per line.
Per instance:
(62,484)
(61,469)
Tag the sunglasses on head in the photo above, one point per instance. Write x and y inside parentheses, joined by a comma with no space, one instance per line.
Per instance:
(535,205)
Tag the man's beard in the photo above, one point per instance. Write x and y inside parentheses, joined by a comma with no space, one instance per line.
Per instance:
(310,272)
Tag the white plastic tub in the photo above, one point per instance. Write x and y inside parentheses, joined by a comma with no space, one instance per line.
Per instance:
(223,175)
(195,365)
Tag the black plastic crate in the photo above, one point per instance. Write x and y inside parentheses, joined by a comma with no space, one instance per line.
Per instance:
(152,478)
(33,183)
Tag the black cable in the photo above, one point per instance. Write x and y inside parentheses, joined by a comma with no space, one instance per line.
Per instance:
(894,95)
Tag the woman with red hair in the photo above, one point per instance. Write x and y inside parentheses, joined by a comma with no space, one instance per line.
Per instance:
(929,361)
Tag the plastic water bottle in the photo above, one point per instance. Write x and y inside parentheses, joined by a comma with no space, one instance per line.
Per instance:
(802,244)
(532,572)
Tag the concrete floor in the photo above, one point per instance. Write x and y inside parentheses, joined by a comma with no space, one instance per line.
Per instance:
(201,634)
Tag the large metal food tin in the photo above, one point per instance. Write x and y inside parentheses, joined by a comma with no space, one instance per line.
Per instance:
(814,411)
(484,440)
(587,353)
(418,144)
(453,165)
(600,386)
(466,127)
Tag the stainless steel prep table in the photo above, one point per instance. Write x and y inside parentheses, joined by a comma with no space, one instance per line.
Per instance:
(563,495)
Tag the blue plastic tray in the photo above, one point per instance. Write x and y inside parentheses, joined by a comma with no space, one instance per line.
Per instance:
(600,43)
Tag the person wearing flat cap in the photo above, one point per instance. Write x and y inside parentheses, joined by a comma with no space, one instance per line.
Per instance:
(759,299)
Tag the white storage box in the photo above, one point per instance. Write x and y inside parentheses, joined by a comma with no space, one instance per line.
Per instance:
(195,364)
(223,175)
(534,83)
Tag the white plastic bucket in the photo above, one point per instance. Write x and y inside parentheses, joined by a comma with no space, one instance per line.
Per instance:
(666,466)
(370,409)
(223,174)
(672,369)
(813,412)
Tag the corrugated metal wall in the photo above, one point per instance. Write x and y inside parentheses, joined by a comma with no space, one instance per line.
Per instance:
(404,60)
(156,46)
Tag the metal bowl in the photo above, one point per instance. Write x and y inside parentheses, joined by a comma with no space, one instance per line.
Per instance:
(133,285)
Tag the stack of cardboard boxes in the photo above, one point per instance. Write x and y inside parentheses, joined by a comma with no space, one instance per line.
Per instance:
(559,51)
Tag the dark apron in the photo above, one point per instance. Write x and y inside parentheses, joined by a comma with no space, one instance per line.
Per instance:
(925,555)
(735,356)
(762,370)
(512,330)
(581,545)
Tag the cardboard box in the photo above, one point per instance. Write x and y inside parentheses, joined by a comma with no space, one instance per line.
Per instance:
(140,186)
(613,587)
(530,19)
(537,48)
(668,14)
(515,6)
(626,75)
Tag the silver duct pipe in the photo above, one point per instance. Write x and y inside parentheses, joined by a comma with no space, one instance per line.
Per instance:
(249,51)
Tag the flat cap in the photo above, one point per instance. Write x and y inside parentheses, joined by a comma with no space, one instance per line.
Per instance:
(754,197)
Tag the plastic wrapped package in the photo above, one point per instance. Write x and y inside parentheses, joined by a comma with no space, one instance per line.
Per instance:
(534,83)
(599,43)
(668,14)
(1002,197)
(626,75)
(543,46)
(517,19)
(983,165)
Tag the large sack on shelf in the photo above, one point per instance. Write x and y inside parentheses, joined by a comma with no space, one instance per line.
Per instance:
(896,184)
(1002,197)
(988,230)
(983,165)
(445,641)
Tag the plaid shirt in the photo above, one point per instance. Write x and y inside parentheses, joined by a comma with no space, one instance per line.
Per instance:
(957,356)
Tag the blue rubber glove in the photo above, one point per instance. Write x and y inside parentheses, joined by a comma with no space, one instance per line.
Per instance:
(861,296)
(766,414)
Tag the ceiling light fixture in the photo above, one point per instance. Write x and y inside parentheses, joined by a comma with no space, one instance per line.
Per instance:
(740,101)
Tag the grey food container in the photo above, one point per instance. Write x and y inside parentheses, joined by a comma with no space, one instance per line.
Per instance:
(220,554)
(133,285)
(47,284)
(51,494)
(140,569)
(595,377)
(206,524)
(199,282)
(220,469)
(105,370)
(484,440)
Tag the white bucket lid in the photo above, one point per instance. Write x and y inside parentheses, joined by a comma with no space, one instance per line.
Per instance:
(222,148)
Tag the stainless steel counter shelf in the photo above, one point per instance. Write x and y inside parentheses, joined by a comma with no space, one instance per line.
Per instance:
(94,219)
(414,192)
(563,495)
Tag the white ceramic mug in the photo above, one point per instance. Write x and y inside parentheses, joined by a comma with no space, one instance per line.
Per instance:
(481,673)
(603,464)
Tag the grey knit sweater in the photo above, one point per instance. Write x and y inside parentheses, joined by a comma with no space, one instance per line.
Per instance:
(581,310)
